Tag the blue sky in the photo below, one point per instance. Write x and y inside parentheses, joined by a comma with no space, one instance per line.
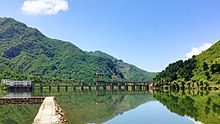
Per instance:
(147,33)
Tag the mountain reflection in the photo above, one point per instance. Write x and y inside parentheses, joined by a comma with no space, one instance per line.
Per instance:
(200,106)
(99,108)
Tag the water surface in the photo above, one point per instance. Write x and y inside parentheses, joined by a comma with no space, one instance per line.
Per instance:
(83,107)
(152,113)
(18,113)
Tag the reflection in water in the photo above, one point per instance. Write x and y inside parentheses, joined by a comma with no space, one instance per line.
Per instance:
(18,94)
(202,106)
(189,106)
(151,113)
(114,107)
(81,109)
(18,113)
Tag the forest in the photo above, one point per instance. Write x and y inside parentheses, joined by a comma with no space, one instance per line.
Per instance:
(202,68)
(27,54)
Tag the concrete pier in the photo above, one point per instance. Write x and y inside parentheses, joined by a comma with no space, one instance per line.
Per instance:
(47,113)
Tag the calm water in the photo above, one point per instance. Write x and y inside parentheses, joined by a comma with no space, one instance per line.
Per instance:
(18,114)
(150,112)
(189,107)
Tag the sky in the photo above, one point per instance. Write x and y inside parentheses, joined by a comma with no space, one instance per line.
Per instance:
(147,33)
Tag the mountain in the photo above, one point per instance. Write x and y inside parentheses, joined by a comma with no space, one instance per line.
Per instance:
(202,68)
(99,53)
(130,72)
(25,50)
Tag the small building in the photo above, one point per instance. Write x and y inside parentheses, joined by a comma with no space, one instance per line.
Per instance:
(11,83)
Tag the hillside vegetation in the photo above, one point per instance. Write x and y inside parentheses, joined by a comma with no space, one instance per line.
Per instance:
(25,50)
(203,68)
(130,72)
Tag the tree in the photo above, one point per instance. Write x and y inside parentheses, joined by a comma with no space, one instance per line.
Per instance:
(207,75)
(201,83)
(189,84)
(183,84)
(186,71)
(205,66)
(206,84)
(215,68)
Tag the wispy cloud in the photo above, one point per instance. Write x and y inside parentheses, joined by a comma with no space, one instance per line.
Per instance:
(196,51)
(44,7)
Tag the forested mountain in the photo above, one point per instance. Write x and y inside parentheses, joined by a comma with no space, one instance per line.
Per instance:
(202,68)
(25,50)
(130,72)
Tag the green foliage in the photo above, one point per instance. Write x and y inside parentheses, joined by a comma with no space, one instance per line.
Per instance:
(207,75)
(177,70)
(186,71)
(215,68)
(2,89)
(128,71)
(25,50)
(208,64)
(205,66)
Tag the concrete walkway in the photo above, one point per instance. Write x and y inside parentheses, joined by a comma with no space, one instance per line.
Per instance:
(47,113)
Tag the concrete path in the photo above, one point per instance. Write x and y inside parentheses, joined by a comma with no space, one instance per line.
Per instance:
(47,113)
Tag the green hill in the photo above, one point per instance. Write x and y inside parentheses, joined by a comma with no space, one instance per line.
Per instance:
(130,72)
(25,50)
(202,68)
(208,64)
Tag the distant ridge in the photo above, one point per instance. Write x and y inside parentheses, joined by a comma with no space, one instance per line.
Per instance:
(25,50)
(130,72)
